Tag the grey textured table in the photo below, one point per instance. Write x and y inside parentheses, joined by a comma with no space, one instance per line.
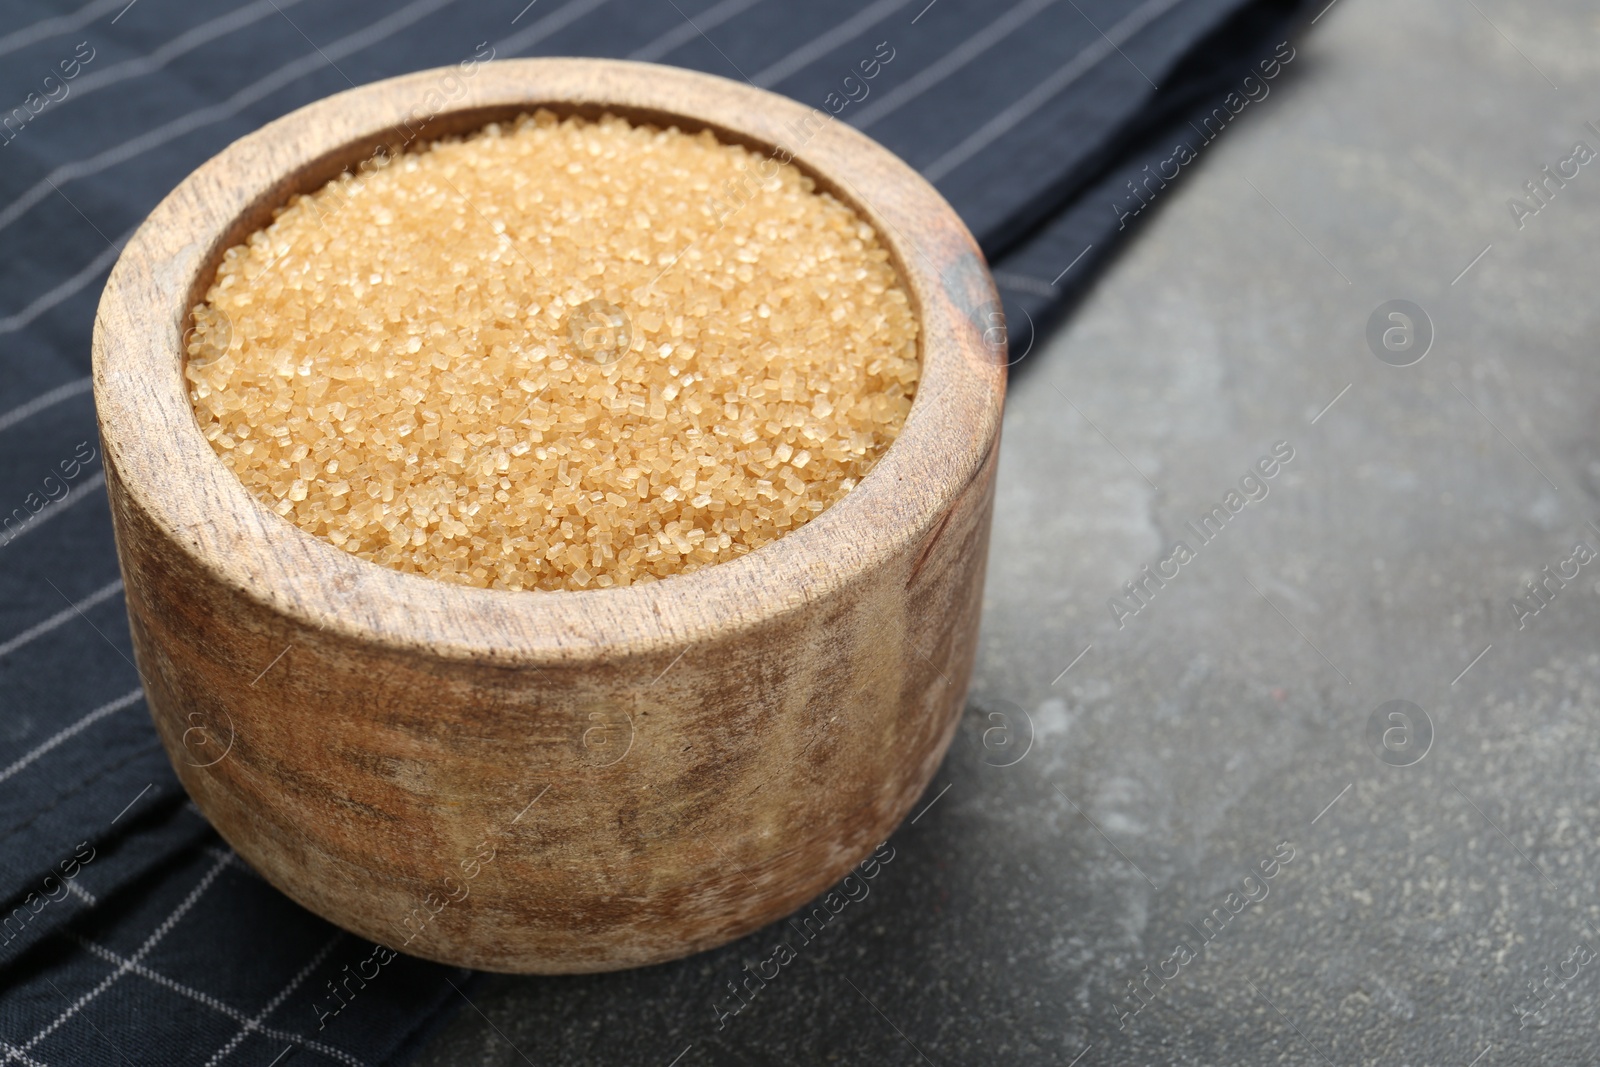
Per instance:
(1441,861)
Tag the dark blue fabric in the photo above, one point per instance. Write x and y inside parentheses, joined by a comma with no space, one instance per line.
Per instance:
(131,934)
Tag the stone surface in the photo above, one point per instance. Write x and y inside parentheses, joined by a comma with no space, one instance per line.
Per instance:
(1232,713)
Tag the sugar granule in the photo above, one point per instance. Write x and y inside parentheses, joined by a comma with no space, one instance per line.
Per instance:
(556,354)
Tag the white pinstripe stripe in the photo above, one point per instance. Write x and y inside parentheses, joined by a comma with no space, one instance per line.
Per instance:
(105,592)
(41,304)
(12,1051)
(45,400)
(818,47)
(679,36)
(81,893)
(217,1005)
(127,965)
(950,62)
(227,853)
(253,1025)
(72,731)
(206,116)
(186,42)
(1022,283)
(539,29)
(155,976)
(1046,90)
(50,27)
(51,510)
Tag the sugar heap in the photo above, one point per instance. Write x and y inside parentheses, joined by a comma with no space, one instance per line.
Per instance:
(556,354)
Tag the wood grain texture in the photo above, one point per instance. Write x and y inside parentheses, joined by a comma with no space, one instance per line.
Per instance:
(702,754)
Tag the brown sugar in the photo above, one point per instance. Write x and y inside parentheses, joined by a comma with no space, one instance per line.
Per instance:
(556,354)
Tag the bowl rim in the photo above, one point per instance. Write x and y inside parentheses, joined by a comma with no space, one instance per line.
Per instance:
(159,459)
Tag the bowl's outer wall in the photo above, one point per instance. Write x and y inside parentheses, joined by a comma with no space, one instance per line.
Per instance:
(551,782)
(376,786)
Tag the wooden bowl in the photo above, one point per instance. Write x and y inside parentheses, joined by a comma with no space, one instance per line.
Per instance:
(550,782)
